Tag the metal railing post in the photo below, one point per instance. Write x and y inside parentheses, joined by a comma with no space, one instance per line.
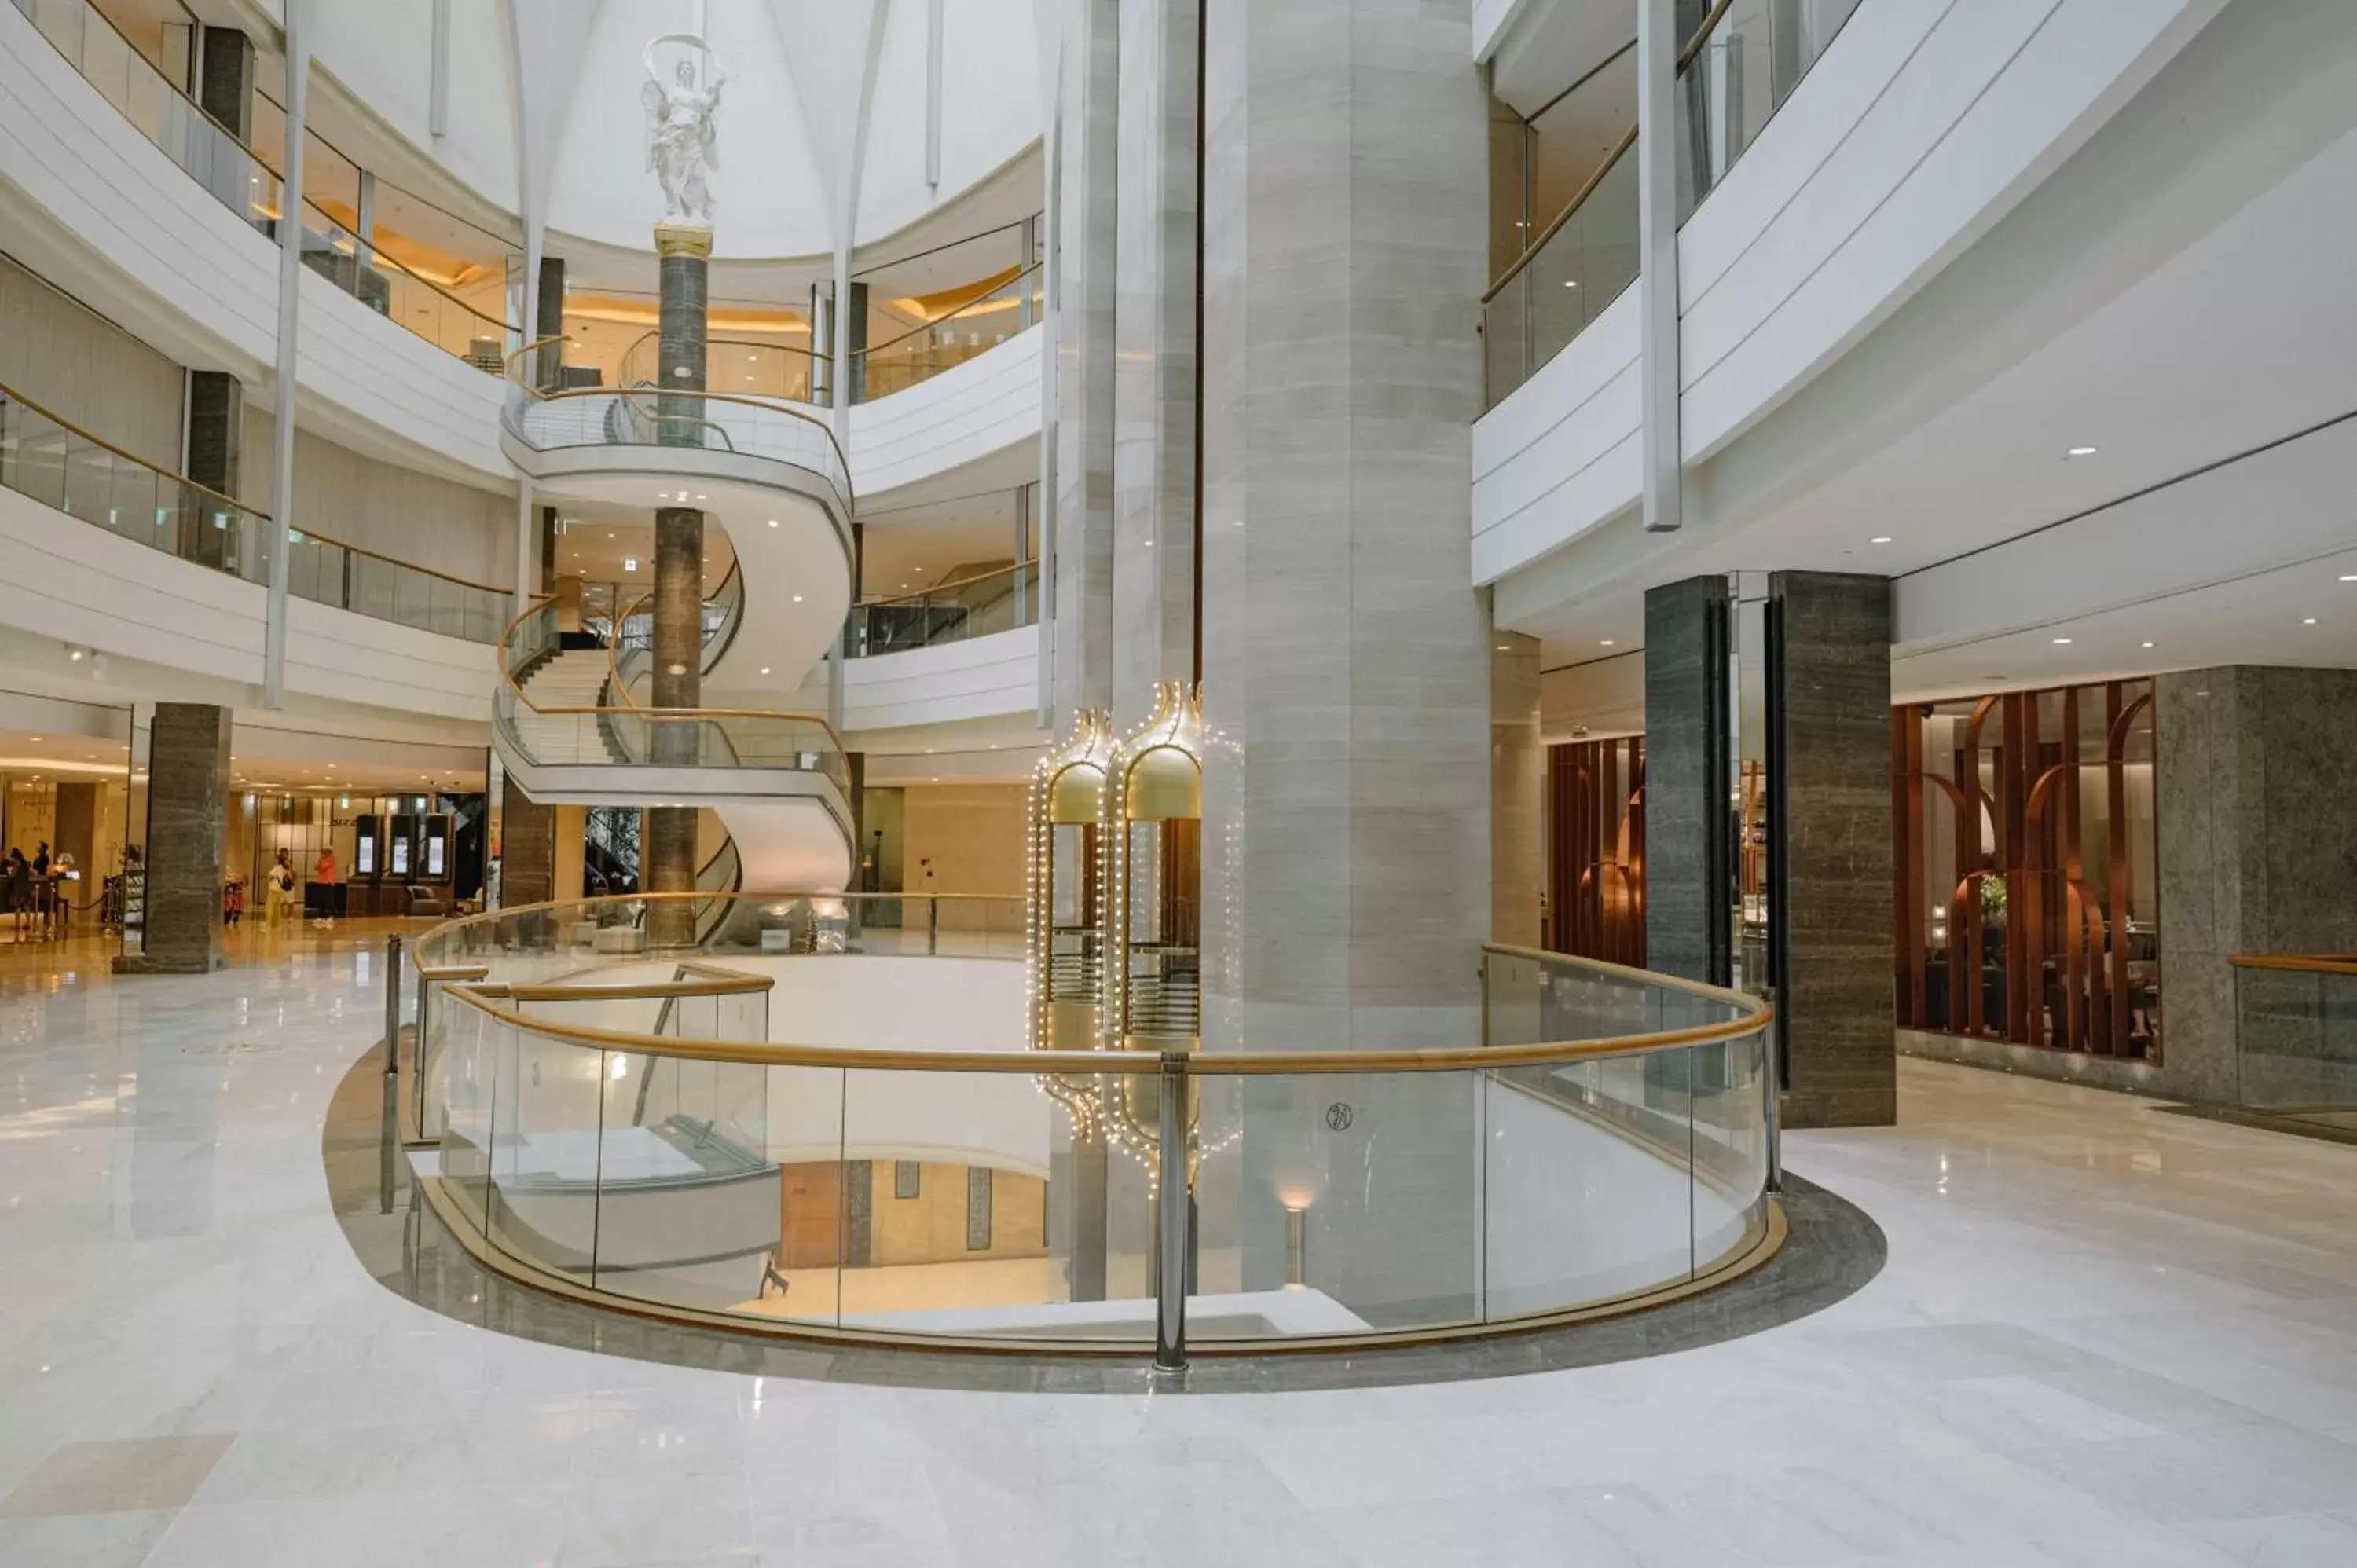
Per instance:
(391,1136)
(1772,1093)
(1171,1215)
(932,926)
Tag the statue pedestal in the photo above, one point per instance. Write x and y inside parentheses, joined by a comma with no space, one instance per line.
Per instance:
(679,237)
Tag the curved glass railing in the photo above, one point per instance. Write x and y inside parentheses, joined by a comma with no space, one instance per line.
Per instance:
(1737,69)
(1605,1144)
(973,329)
(402,295)
(976,606)
(738,365)
(167,116)
(609,735)
(710,422)
(61,465)
(247,186)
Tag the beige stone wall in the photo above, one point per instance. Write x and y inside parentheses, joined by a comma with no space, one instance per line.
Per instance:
(930,1226)
(963,838)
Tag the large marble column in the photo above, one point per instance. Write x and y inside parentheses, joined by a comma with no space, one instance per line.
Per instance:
(1347,667)
(216,440)
(2257,847)
(1831,903)
(1084,369)
(1154,311)
(1689,831)
(668,854)
(188,805)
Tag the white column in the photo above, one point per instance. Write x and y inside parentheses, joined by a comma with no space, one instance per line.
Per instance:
(282,435)
(1657,261)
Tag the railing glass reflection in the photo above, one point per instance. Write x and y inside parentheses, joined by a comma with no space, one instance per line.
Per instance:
(977,607)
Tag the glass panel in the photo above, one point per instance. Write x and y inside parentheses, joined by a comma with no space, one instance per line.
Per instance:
(469,1086)
(545,1151)
(2295,1032)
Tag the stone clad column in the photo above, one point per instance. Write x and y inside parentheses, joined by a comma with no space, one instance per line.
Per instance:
(1831,904)
(1347,658)
(1689,832)
(668,854)
(1084,368)
(1154,338)
(187,804)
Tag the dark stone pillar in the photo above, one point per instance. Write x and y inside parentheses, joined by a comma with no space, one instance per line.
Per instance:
(1832,905)
(187,804)
(2257,830)
(76,833)
(527,847)
(668,858)
(546,576)
(1689,829)
(216,439)
(225,79)
(550,323)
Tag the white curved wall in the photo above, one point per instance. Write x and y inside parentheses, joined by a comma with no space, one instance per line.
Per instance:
(1923,123)
(967,413)
(983,677)
(87,586)
(103,206)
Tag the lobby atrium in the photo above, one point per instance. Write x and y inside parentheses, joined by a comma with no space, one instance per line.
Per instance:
(1295,782)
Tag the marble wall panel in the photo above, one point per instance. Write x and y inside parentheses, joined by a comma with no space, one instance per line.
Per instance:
(1088,142)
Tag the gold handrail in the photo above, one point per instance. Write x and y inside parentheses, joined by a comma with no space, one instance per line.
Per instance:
(2305,963)
(653,715)
(775,405)
(711,343)
(1628,139)
(376,255)
(951,587)
(1751,1015)
(950,315)
(311,536)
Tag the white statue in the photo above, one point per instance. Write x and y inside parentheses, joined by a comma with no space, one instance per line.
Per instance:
(681,138)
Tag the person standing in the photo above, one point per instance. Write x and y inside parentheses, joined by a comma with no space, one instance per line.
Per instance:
(45,889)
(16,889)
(323,876)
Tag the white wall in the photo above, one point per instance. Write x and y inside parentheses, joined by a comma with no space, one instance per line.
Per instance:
(983,677)
(990,107)
(82,368)
(967,413)
(384,54)
(85,586)
(1923,123)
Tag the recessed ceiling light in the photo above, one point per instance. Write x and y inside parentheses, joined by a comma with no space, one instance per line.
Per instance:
(2080,452)
(2310,620)
(1569,283)
(2061,642)
(798,598)
(2148,645)
(2349,576)
(765,670)
(1879,538)
(773,522)
(1608,643)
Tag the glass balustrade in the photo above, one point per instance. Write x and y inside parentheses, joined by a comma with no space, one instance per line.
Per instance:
(62,466)
(740,366)
(1733,76)
(2296,1036)
(1607,1141)
(167,116)
(996,601)
(970,330)
(252,189)
(712,421)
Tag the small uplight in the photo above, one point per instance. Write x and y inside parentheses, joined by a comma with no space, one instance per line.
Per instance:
(2061,642)
(2080,452)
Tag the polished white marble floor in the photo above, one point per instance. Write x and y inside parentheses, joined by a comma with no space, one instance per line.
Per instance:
(2106,1335)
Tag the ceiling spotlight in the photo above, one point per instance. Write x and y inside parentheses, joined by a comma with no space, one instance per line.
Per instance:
(2061,642)
(1879,538)
(2349,576)
(630,562)
(765,670)
(773,522)
(1608,643)
(2148,645)
(75,655)
(798,598)
(2310,620)
(2080,452)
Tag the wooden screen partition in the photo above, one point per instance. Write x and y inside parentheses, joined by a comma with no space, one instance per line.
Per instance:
(1596,849)
(2024,831)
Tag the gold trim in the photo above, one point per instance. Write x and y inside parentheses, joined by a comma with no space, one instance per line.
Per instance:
(684,240)
(2303,963)
(875,349)
(1750,1253)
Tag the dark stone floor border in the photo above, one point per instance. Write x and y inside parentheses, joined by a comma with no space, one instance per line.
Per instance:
(1834,1247)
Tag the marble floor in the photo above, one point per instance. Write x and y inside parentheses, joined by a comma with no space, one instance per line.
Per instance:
(2103,1335)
